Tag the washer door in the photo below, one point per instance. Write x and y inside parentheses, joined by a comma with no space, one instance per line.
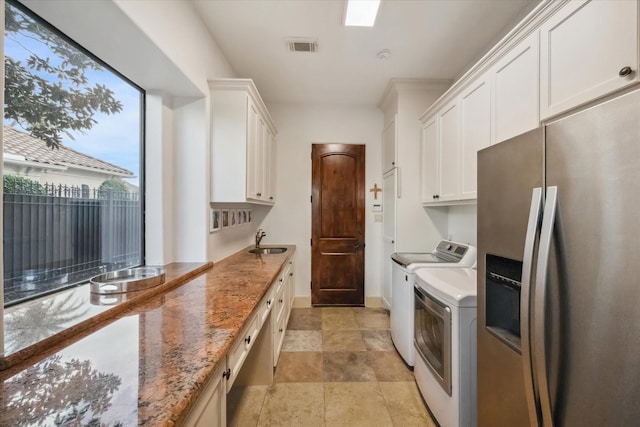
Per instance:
(432,328)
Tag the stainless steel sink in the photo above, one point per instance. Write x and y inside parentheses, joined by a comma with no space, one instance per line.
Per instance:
(127,280)
(265,251)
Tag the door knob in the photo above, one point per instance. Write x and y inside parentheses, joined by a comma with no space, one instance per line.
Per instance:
(625,71)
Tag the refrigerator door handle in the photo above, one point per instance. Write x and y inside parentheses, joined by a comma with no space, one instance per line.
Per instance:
(546,236)
(535,212)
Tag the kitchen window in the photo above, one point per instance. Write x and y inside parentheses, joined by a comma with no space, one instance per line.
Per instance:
(72,167)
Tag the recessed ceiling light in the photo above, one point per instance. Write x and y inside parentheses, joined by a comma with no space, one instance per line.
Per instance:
(361,13)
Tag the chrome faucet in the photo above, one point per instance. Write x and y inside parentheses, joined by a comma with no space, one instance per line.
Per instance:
(259,235)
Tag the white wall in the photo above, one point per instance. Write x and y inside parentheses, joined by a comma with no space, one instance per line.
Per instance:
(463,224)
(160,175)
(290,219)
(417,232)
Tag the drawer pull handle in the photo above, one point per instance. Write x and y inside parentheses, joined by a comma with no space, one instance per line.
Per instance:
(281,300)
(248,339)
(625,71)
(280,330)
(226,374)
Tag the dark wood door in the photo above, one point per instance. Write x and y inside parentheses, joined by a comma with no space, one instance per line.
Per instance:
(337,230)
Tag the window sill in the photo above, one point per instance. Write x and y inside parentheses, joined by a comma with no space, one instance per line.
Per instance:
(36,326)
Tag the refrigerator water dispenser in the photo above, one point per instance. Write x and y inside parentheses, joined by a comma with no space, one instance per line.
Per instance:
(503,299)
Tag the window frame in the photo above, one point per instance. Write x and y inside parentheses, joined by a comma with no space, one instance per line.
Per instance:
(142,146)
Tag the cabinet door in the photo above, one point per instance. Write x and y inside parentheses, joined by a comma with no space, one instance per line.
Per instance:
(280,317)
(210,409)
(389,208)
(429,161)
(388,248)
(260,155)
(272,168)
(448,147)
(265,156)
(254,138)
(516,91)
(292,284)
(389,135)
(584,47)
(475,133)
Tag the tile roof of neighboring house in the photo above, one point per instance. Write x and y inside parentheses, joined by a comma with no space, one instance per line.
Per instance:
(35,150)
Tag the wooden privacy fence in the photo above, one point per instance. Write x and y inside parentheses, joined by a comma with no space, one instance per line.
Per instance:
(67,233)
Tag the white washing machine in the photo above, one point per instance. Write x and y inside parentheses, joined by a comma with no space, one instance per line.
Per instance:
(445,343)
(403,267)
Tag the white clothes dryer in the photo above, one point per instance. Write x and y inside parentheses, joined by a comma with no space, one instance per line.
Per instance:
(445,343)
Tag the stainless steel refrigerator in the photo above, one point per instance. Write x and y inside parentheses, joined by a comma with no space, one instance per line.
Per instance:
(559,272)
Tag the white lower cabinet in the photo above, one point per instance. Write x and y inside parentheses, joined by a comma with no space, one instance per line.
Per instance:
(283,301)
(253,355)
(211,408)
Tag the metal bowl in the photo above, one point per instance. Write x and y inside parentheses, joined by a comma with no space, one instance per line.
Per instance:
(127,280)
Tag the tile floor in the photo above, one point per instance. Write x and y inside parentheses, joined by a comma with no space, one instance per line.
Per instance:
(338,367)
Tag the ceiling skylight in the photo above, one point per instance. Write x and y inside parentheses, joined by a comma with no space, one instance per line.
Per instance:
(361,13)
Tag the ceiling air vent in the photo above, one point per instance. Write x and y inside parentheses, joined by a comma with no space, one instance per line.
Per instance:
(302,45)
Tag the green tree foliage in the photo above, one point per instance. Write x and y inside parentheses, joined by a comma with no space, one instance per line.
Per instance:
(12,184)
(117,187)
(45,96)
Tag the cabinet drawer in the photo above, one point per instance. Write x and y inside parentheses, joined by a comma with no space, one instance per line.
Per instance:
(266,305)
(240,349)
(278,337)
(280,302)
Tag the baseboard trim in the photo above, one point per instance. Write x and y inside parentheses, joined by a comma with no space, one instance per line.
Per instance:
(302,302)
(373,302)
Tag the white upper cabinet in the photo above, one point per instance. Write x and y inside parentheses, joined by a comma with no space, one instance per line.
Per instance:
(515,85)
(450,142)
(475,132)
(271,194)
(588,49)
(389,135)
(242,144)
(449,148)
(429,159)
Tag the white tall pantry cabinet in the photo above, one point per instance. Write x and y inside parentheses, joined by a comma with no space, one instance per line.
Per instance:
(407,227)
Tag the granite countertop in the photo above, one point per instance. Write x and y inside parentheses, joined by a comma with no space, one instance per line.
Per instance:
(147,365)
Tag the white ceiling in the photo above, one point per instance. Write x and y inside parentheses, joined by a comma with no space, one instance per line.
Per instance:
(427,38)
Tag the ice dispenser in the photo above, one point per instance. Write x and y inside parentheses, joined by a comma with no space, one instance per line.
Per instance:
(503,299)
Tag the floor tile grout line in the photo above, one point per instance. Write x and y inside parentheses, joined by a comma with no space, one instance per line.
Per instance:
(326,384)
